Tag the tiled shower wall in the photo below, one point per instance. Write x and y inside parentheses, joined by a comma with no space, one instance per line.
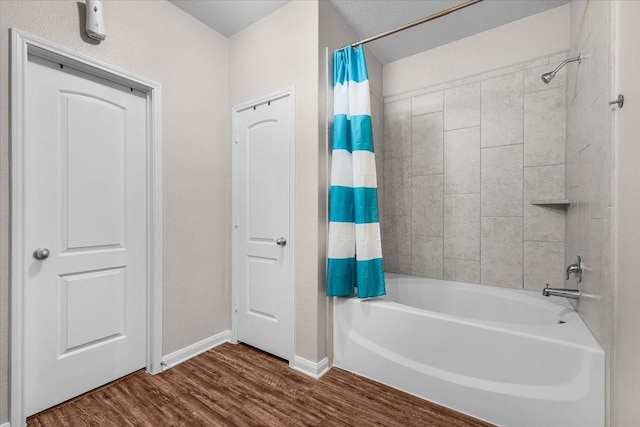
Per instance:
(462,163)
(377,122)
(590,164)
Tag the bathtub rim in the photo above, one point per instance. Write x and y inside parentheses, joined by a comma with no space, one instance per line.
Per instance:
(578,333)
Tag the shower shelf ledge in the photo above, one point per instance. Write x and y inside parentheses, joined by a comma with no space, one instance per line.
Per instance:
(551,202)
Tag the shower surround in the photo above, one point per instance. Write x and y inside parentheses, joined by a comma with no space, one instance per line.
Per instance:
(462,163)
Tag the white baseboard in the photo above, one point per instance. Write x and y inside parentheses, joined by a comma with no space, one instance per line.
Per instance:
(307,367)
(5,425)
(184,354)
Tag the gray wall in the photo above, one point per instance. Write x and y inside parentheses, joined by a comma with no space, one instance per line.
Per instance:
(295,37)
(280,51)
(156,40)
(463,160)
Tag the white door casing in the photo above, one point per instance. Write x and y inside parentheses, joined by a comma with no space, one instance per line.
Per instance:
(263,267)
(86,184)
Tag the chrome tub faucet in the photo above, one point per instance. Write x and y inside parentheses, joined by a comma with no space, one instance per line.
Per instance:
(575,269)
(561,292)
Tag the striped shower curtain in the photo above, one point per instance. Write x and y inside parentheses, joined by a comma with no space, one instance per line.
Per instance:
(355,253)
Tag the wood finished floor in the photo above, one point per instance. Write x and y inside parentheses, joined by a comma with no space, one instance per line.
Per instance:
(237,385)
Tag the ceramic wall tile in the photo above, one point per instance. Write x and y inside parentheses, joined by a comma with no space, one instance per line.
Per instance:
(461,270)
(427,103)
(544,127)
(543,264)
(427,257)
(501,261)
(502,110)
(544,222)
(462,161)
(462,106)
(501,178)
(397,129)
(427,144)
(397,191)
(427,210)
(396,244)
(462,226)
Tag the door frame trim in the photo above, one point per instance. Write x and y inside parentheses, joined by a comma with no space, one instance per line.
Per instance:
(284,93)
(22,45)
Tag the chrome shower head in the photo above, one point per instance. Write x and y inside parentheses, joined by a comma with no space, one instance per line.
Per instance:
(547,77)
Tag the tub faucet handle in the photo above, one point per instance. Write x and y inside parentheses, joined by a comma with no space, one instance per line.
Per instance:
(575,269)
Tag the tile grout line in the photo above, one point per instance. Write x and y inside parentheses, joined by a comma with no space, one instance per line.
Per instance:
(443,185)
(480,191)
(523,190)
(411,187)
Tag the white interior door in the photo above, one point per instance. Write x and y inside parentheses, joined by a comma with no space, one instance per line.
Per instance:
(85,207)
(263,277)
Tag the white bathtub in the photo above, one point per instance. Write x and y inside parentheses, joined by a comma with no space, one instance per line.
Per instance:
(497,354)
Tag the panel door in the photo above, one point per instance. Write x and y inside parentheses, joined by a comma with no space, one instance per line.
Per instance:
(85,204)
(263,280)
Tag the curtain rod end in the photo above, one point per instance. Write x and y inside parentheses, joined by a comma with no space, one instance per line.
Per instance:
(356,45)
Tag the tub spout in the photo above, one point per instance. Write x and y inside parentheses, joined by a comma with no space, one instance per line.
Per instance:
(560,292)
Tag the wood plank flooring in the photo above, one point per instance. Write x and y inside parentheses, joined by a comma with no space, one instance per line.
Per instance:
(237,385)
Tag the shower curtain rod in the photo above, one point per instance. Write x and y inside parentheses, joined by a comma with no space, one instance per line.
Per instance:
(414,23)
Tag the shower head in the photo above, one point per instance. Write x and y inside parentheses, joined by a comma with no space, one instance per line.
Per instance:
(547,77)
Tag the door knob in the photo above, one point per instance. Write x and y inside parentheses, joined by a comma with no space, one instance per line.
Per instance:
(41,253)
(281,241)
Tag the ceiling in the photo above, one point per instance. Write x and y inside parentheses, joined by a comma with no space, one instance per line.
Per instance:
(371,17)
(229,16)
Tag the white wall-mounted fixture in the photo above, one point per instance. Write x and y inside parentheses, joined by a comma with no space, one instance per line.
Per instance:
(95,20)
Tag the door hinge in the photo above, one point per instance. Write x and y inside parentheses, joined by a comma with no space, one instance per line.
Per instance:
(236,222)
(235,306)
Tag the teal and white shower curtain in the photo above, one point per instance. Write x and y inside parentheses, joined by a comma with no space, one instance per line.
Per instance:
(355,251)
